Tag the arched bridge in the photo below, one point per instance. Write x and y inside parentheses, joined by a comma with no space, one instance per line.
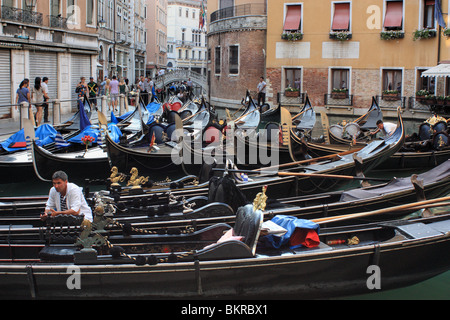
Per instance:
(183,75)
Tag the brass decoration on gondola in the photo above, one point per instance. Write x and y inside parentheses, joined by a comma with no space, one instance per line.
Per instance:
(260,200)
(116,176)
(136,181)
(435,119)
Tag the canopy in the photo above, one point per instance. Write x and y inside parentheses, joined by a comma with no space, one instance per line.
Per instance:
(441,70)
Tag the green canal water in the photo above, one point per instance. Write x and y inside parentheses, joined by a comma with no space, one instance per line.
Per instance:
(437,288)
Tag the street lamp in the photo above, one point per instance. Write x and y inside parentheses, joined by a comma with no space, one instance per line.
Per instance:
(102,23)
(30,3)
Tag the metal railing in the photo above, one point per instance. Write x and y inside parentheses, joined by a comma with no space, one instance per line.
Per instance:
(240,10)
(57,22)
(391,102)
(284,100)
(20,15)
(337,100)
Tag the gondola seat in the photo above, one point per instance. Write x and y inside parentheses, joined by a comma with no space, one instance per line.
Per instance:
(239,242)
(61,233)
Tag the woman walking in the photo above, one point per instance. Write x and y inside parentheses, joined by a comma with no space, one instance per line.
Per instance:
(23,95)
(37,98)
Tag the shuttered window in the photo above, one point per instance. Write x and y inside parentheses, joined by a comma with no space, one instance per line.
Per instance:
(5,82)
(293,18)
(234,60)
(45,64)
(394,15)
(341,17)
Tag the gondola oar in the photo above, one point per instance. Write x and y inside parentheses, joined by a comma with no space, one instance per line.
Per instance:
(302,174)
(414,205)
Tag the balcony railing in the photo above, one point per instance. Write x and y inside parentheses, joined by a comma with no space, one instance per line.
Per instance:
(284,100)
(338,100)
(57,22)
(385,101)
(24,16)
(240,10)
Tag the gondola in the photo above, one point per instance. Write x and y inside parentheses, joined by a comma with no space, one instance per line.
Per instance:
(356,131)
(427,148)
(314,179)
(307,260)
(220,206)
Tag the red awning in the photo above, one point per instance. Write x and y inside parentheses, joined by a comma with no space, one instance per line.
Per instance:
(394,14)
(293,18)
(341,19)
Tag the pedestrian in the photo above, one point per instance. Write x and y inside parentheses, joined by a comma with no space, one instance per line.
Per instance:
(143,85)
(108,93)
(189,88)
(81,88)
(93,91)
(102,86)
(261,88)
(123,89)
(37,98)
(152,88)
(114,85)
(23,95)
(46,98)
(65,198)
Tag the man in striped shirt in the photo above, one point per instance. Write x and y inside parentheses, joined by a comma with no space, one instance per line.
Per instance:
(66,198)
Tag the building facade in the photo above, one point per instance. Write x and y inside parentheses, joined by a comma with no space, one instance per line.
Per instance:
(55,39)
(186,40)
(363,48)
(237,32)
(156,25)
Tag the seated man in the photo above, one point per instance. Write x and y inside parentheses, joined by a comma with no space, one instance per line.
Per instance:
(66,198)
(387,128)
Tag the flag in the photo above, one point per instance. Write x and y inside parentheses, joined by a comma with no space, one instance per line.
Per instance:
(84,120)
(202,18)
(438,13)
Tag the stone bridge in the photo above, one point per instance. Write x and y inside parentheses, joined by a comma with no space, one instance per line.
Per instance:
(200,81)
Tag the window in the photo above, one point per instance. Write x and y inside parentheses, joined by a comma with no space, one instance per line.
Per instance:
(90,12)
(179,12)
(217,60)
(341,17)
(54,8)
(392,80)
(233,63)
(447,86)
(340,78)
(179,53)
(425,83)
(293,77)
(393,19)
(293,18)
(428,14)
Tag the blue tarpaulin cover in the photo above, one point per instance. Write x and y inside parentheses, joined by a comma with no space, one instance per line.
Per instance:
(44,134)
(291,224)
(114,133)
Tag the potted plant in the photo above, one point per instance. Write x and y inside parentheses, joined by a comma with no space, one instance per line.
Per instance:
(446,32)
(424,34)
(392,34)
(424,97)
(339,93)
(341,36)
(291,92)
(292,36)
(391,95)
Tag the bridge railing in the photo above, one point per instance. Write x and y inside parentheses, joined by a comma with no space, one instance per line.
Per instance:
(182,75)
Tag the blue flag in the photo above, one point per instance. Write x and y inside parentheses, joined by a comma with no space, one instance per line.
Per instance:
(84,120)
(438,13)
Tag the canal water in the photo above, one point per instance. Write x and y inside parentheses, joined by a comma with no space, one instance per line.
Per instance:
(436,288)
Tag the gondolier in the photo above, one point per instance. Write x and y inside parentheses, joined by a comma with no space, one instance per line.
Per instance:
(66,198)
(387,128)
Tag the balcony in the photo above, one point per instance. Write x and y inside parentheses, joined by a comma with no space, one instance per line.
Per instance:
(240,10)
(184,44)
(121,37)
(341,99)
(57,22)
(22,16)
(284,100)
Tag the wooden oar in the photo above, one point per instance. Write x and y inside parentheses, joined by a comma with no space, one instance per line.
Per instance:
(414,205)
(303,174)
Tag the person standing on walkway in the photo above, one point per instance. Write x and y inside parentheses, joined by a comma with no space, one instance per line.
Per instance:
(81,88)
(37,98)
(93,91)
(261,88)
(23,95)
(114,84)
(46,98)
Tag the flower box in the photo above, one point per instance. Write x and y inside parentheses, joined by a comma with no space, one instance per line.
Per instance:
(291,93)
(340,36)
(339,95)
(390,96)
(391,35)
(424,34)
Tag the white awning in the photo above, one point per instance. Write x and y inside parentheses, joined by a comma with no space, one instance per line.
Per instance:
(441,70)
